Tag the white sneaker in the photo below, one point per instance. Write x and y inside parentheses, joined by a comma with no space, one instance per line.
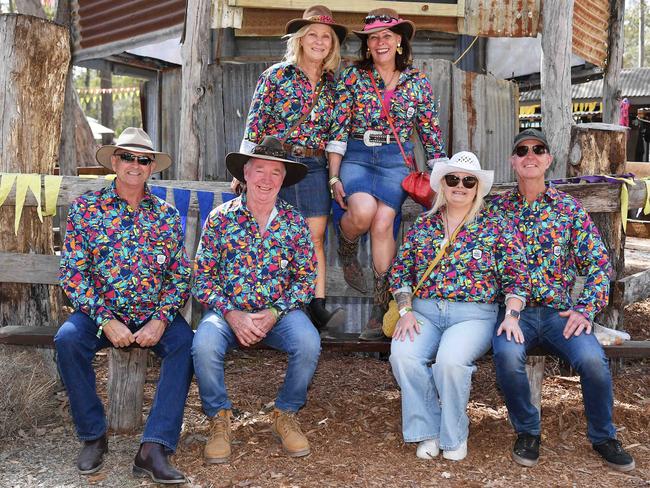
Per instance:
(428,449)
(457,454)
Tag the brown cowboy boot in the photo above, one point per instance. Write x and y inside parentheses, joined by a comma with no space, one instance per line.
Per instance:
(352,271)
(381,297)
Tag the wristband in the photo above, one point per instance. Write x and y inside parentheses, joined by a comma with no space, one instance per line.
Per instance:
(100,330)
(333,180)
(276,313)
(404,311)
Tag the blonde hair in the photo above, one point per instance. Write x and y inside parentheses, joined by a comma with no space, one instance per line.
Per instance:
(441,201)
(294,52)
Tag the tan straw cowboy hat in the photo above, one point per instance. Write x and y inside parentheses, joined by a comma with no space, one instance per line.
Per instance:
(137,140)
(317,14)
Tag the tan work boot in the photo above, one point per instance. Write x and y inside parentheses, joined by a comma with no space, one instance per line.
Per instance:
(217,449)
(286,427)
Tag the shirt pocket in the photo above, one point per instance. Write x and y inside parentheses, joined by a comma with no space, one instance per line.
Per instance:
(157,250)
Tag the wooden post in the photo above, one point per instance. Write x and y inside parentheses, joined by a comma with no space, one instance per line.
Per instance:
(611,80)
(600,149)
(535,372)
(126,376)
(194,107)
(557,118)
(34,57)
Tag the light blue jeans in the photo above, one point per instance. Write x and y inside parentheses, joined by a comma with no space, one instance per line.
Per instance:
(434,397)
(293,334)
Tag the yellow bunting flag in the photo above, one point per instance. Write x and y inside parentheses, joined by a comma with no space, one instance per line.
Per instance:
(646,207)
(6,184)
(625,197)
(89,177)
(52,188)
(110,177)
(23,182)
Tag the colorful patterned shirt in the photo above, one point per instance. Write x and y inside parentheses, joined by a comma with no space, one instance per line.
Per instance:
(242,267)
(123,263)
(561,242)
(359,109)
(485,261)
(283,94)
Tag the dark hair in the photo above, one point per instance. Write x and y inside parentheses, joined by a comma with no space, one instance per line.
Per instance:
(402,61)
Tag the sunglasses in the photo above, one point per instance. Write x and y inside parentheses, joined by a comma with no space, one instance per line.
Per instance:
(468,181)
(381,18)
(142,160)
(538,149)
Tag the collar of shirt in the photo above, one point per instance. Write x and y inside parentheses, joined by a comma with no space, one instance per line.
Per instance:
(244,209)
(549,194)
(110,194)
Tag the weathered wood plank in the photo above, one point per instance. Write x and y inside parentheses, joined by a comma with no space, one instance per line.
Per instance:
(630,289)
(640,170)
(127,370)
(596,197)
(29,268)
(535,371)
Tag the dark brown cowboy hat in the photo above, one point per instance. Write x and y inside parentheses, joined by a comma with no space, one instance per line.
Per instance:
(269,150)
(386,18)
(137,140)
(317,14)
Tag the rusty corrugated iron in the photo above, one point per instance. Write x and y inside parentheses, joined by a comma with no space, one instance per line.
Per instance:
(100,22)
(590,30)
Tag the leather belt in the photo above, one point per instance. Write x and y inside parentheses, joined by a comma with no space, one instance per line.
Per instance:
(303,152)
(373,138)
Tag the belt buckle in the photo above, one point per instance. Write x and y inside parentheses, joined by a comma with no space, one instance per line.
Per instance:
(372,133)
(298,151)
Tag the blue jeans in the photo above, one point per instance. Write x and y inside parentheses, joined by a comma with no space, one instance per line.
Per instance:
(76,343)
(543,326)
(434,397)
(293,334)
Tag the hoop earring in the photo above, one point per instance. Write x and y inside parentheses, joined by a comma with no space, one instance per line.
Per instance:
(399,49)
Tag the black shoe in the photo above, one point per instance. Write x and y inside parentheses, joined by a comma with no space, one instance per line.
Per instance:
(332,322)
(613,453)
(152,461)
(91,456)
(526,449)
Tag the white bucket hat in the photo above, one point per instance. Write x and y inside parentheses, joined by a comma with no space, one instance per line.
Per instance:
(462,162)
(133,139)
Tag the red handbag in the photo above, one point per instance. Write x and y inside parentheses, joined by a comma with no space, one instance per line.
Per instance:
(416,183)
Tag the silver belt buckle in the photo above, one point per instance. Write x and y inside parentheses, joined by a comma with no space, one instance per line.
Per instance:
(372,133)
(298,151)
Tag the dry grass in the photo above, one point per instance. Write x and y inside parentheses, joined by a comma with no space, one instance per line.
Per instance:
(26,394)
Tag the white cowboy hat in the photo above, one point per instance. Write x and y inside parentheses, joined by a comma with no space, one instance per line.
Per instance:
(462,162)
(133,139)
(270,149)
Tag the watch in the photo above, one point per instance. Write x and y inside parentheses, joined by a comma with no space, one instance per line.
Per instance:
(513,313)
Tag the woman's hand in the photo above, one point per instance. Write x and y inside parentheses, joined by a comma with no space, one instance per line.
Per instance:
(510,326)
(338,193)
(406,325)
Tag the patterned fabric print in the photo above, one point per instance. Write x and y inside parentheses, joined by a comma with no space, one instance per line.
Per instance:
(484,262)
(282,95)
(561,242)
(124,264)
(240,268)
(358,108)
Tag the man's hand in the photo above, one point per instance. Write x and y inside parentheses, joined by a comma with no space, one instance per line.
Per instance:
(406,326)
(264,320)
(150,333)
(246,330)
(510,326)
(575,324)
(118,333)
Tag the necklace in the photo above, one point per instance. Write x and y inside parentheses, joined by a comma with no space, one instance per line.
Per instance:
(445,219)
(392,78)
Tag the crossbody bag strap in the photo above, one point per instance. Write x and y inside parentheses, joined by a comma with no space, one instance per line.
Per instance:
(390,120)
(304,116)
(438,257)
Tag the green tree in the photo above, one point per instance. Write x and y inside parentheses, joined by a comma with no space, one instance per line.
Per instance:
(631,34)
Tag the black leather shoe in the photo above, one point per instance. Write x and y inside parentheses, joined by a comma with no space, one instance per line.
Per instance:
(91,456)
(152,461)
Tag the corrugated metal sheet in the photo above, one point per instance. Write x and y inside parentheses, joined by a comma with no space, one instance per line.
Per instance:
(590,30)
(635,83)
(501,18)
(105,22)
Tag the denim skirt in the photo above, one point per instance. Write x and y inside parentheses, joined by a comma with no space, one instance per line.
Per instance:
(378,171)
(311,195)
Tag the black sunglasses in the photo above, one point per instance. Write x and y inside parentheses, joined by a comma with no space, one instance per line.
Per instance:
(142,160)
(468,181)
(381,18)
(538,149)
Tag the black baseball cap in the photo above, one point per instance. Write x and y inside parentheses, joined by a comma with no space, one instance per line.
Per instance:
(529,134)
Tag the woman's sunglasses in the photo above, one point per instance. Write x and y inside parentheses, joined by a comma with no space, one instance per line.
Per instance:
(468,181)
(538,149)
(387,19)
(142,160)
